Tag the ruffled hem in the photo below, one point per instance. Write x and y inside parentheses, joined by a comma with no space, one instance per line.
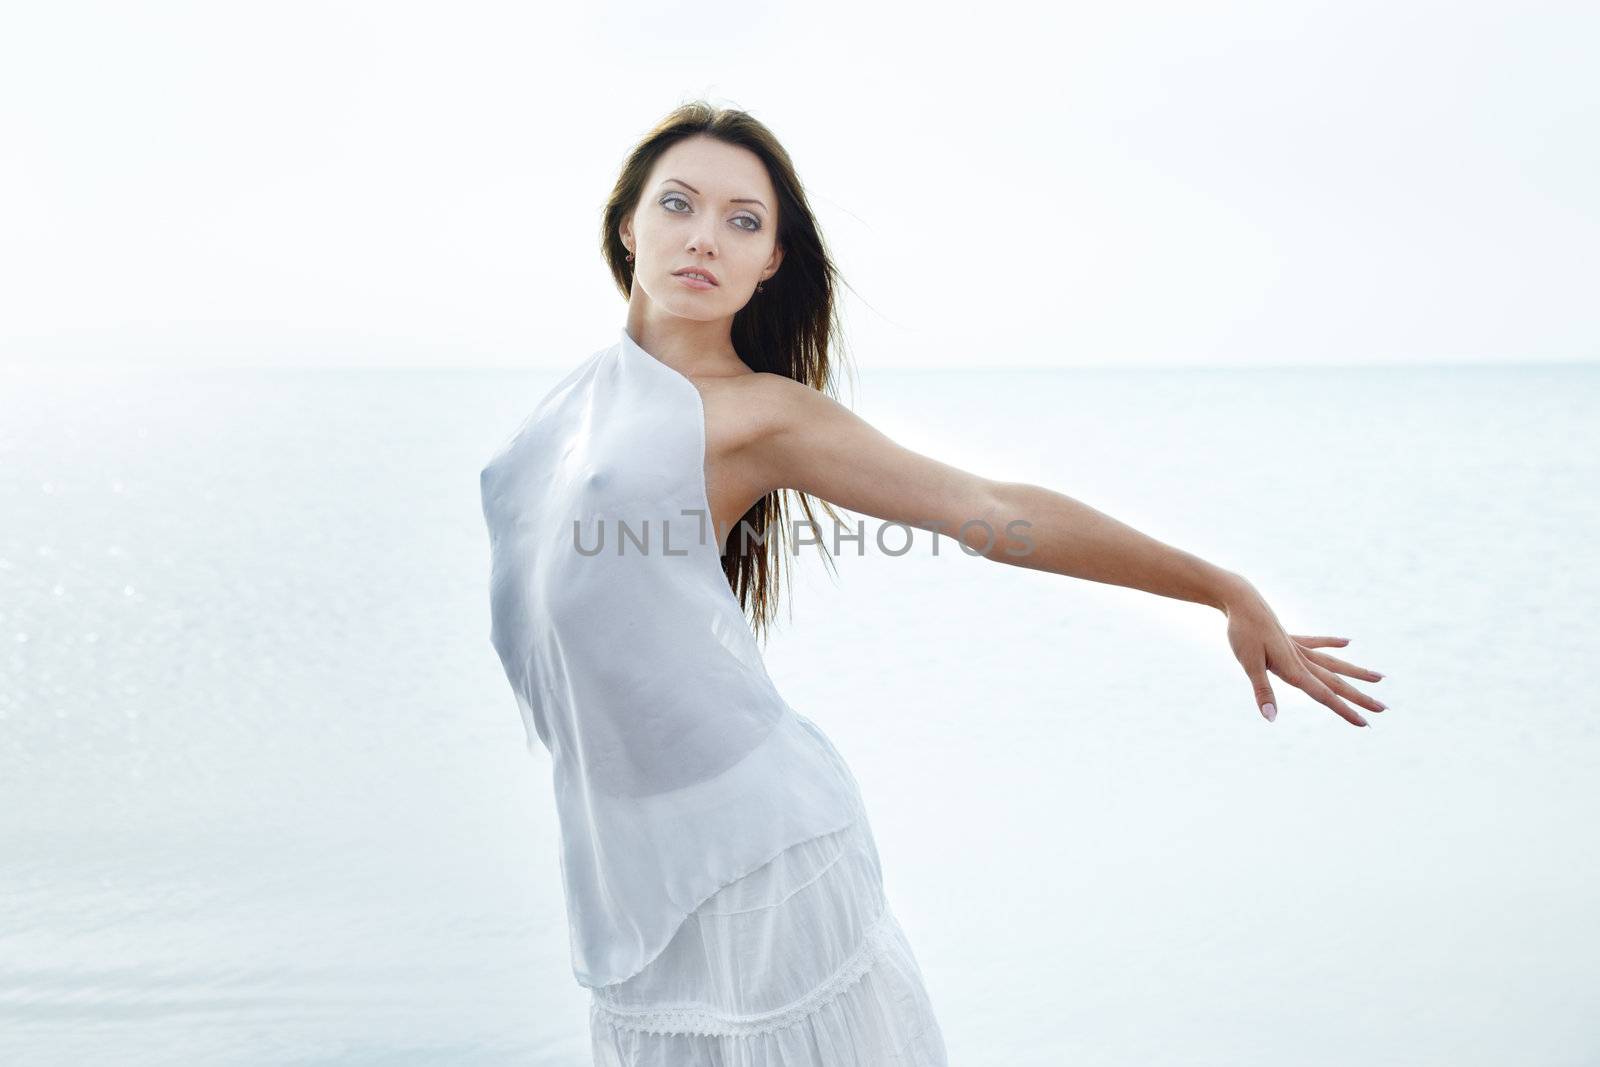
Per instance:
(801,963)
(693,1020)
(873,1012)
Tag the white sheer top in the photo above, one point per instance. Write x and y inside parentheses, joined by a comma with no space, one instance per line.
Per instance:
(678,768)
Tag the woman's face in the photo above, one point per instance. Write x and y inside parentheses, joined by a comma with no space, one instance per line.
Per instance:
(708,206)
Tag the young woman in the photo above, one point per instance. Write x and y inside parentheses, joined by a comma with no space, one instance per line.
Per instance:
(723,889)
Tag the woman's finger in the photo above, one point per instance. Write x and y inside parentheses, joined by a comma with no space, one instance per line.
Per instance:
(1302,678)
(1334,663)
(1266,703)
(1344,688)
(1320,642)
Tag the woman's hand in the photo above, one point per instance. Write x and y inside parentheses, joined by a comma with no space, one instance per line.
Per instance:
(1260,644)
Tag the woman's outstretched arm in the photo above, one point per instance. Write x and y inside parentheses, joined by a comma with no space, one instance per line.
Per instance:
(808,441)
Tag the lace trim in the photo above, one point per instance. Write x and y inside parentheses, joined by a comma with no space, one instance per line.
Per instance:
(687,1020)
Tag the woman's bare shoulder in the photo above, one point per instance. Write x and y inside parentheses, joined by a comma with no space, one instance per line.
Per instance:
(757,401)
(769,396)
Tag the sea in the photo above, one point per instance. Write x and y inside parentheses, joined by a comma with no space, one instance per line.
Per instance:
(266,799)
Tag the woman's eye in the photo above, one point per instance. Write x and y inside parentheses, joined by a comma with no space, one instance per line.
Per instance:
(671,198)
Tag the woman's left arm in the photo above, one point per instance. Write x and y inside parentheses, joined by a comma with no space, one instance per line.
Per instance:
(805,440)
(1056,533)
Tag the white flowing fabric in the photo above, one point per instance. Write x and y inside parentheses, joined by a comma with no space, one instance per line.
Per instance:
(723,894)
(677,765)
(799,963)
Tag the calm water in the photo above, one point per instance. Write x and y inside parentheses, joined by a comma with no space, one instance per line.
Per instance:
(264,797)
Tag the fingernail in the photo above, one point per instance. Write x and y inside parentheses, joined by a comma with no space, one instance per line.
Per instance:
(1382,706)
(1377,675)
(1270,711)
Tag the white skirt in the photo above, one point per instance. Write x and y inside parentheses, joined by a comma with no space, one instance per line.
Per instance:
(799,962)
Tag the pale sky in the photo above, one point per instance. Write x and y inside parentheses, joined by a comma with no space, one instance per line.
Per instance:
(1064,183)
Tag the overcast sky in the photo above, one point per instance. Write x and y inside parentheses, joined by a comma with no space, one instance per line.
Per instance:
(397,183)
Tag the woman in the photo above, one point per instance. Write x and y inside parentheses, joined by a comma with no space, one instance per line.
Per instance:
(724,895)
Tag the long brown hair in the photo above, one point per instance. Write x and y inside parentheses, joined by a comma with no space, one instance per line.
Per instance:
(789,328)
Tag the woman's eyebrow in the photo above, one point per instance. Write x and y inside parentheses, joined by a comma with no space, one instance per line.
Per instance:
(696,192)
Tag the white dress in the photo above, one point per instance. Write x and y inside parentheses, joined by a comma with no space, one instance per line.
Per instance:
(724,896)
(800,962)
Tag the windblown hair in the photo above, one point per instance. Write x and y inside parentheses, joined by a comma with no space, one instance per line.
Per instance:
(789,328)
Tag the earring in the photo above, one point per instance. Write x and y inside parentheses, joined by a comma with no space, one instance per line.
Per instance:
(630,257)
(760,288)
